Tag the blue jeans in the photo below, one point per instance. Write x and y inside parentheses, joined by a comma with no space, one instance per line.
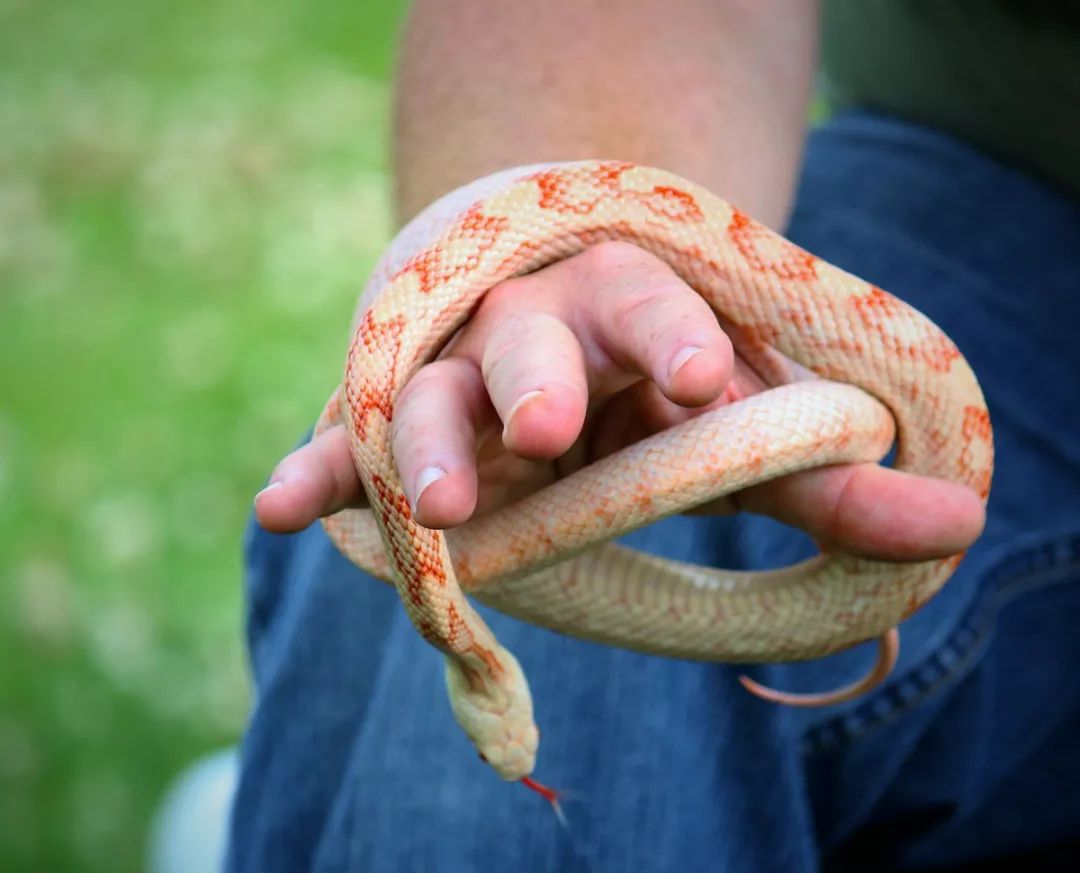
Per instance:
(353,762)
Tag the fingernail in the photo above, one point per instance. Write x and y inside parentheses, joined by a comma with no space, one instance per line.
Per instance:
(521,401)
(681,357)
(273,486)
(427,476)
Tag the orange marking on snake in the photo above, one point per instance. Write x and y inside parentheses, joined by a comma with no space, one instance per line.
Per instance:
(555,188)
(430,567)
(554,194)
(382,339)
(524,252)
(976,426)
(457,634)
(665,201)
(977,423)
(609,174)
(476,224)
(463,568)
(879,311)
(391,502)
(793,264)
(977,480)
(606,515)
(953,561)
(433,267)
(672,204)
(940,353)
(937,438)
(428,631)
(598,235)
(759,335)
(461,639)
(912,606)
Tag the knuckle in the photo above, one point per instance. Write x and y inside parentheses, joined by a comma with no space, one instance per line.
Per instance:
(640,287)
(501,351)
(505,295)
(522,337)
(424,380)
(647,305)
(616,256)
(432,378)
(502,312)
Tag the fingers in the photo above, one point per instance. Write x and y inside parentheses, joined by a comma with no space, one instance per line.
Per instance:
(434,440)
(648,321)
(542,346)
(599,321)
(643,410)
(434,436)
(588,327)
(873,511)
(315,480)
(435,433)
(864,509)
(534,371)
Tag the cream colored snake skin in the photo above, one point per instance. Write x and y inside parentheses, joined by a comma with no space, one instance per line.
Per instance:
(864,364)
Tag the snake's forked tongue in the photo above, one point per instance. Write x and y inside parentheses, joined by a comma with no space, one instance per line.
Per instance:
(549,794)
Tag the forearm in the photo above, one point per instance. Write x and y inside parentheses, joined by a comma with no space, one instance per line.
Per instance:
(715,90)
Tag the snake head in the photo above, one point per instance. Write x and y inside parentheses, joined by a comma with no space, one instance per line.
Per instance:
(496,714)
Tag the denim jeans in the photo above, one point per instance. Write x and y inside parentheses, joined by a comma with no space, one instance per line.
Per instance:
(971,750)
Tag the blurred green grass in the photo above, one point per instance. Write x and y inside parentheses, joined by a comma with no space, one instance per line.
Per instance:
(190,197)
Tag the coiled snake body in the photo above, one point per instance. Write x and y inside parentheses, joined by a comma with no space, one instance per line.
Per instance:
(847,361)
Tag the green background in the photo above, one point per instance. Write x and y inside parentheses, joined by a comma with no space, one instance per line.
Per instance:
(190,197)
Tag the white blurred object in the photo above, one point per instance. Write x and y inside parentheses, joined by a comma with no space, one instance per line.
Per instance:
(190,829)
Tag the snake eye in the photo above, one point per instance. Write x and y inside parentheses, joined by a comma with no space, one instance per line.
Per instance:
(482,756)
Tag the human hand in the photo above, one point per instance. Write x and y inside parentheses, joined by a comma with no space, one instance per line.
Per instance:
(564,366)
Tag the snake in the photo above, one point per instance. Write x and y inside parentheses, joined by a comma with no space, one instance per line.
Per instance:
(852,374)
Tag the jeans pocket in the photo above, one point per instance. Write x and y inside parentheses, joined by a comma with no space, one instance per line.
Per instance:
(973,726)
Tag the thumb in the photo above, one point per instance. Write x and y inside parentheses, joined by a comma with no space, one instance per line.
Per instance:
(316,480)
(873,511)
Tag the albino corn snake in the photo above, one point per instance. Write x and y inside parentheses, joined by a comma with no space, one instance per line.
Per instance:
(852,366)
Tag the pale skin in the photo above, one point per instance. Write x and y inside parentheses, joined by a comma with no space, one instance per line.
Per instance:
(573,362)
